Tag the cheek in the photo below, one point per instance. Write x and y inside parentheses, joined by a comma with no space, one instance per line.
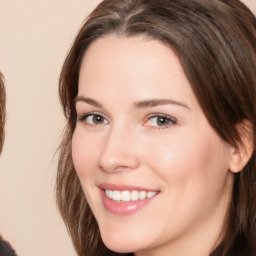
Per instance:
(183,159)
(84,154)
(192,171)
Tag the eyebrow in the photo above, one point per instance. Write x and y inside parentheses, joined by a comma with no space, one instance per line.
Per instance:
(88,101)
(157,102)
(138,104)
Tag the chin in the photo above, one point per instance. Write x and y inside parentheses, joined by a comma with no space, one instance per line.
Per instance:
(124,243)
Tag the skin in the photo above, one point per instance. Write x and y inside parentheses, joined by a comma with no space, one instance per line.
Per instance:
(183,158)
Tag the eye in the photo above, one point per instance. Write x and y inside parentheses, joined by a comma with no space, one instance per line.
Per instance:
(92,119)
(160,121)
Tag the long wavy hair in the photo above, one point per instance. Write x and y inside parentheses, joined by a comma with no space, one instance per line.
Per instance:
(2,111)
(215,41)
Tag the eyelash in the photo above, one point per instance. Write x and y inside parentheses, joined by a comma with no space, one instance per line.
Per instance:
(170,120)
(93,115)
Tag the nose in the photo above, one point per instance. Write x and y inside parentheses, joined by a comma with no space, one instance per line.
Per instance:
(118,153)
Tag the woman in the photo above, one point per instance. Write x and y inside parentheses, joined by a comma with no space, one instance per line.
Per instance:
(158,155)
(5,248)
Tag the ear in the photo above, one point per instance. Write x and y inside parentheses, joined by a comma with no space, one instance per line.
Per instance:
(241,154)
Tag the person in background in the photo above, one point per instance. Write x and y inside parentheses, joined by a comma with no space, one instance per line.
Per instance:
(5,247)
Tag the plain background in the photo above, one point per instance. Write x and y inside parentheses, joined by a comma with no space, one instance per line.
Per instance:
(35,37)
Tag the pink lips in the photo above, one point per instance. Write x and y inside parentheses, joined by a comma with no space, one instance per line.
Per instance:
(123,208)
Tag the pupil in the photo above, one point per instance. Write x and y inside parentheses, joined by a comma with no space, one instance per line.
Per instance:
(161,121)
(98,119)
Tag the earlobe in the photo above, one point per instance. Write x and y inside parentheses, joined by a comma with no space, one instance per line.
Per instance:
(243,152)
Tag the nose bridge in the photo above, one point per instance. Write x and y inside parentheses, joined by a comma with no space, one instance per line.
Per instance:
(118,150)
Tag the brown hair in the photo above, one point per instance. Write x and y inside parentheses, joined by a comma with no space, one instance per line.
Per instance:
(215,41)
(2,111)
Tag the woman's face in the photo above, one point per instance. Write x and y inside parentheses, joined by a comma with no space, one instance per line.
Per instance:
(153,170)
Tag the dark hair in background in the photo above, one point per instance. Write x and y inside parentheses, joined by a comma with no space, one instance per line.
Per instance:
(5,247)
(2,111)
(215,41)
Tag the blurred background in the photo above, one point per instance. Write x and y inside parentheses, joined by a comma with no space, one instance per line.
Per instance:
(34,39)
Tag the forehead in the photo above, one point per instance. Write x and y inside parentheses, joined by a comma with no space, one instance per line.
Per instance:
(128,54)
(137,67)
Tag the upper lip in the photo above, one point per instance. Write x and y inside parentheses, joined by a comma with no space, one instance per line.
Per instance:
(119,187)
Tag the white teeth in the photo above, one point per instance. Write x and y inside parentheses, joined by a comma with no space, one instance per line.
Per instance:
(109,193)
(150,194)
(135,195)
(127,196)
(116,196)
(143,195)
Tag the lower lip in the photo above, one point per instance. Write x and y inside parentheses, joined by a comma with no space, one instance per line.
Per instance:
(124,208)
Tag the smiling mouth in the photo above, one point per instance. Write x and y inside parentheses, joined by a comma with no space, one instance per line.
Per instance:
(127,196)
(125,199)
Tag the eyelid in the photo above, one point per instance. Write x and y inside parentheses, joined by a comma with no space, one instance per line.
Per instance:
(82,117)
(173,120)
